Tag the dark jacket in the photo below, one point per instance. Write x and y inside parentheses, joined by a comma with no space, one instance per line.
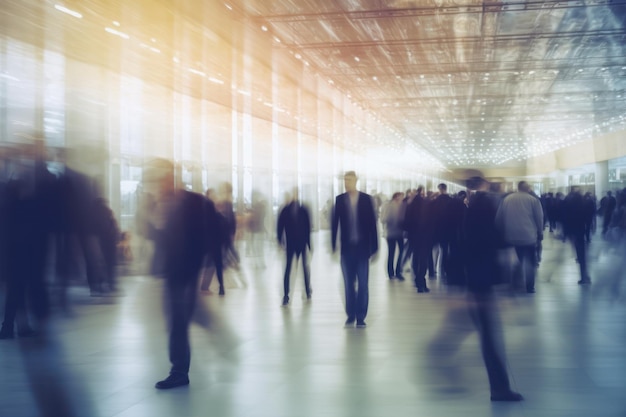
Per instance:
(295,223)
(481,243)
(186,237)
(367,244)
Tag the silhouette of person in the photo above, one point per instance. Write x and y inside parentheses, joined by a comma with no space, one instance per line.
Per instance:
(520,217)
(481,244)
(182,229)
(355,218)
(293,231)
(392,218)
(419,236)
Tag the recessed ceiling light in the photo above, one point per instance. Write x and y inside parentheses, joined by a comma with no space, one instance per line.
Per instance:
(264,28)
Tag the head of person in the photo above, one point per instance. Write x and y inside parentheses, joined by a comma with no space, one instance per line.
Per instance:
(158,177)
(420,191)
(397,196)
(349,181)
(477,183)
(523,187)
(462,195)
(443,188)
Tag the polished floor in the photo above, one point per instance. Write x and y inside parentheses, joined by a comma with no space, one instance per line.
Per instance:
(566,348)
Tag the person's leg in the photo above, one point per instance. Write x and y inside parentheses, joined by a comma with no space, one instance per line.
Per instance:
(527,256)
(307,274)
(182,299)
(286,277)
(14,299)
(391,244)
(581,255)
(483,311)
(362,299)
(421,258)
(430,256)
(348,267)
(400,242)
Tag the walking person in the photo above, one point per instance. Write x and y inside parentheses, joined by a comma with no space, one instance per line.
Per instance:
(293,232)
(181,228)
(354,217)
(520,218)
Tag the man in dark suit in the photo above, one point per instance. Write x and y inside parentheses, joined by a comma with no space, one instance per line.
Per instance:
(182,229)
(294,223)
(354,213)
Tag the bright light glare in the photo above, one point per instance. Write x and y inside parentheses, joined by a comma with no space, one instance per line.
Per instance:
(68,11)
(195,71)
(117,32)
(215,80)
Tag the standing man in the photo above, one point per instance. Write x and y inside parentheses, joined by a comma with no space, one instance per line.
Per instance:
(354,213)
(181,226)
(294,223)
(442,226)
(520,218)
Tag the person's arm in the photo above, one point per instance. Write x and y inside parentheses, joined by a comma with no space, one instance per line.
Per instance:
(538,216)
(334,224)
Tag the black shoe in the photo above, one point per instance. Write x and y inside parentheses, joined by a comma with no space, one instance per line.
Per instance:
(360,323)
(585,281)
(308,295)
(400,277)
(285,301)
(27,332)
(6,334)
(530,290)
(509,396)
(423,290)
(172,381)
(222,292)
(349,322)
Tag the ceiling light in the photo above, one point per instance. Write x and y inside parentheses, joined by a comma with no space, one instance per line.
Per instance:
(375,78)
(228,6)
(195,71)
(264,28)
(117,32)
(276,39)
(357,59)
(68,11)
(116,23)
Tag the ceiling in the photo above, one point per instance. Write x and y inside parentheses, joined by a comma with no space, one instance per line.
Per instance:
(475,83)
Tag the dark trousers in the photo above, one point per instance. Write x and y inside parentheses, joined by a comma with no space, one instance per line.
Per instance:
(215,266)
(26,287)
(355,268)
(578,240)
(392,243)
(606,221)
(181,300)
(305,268)
(484,314)
(527,256)
(422,257)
